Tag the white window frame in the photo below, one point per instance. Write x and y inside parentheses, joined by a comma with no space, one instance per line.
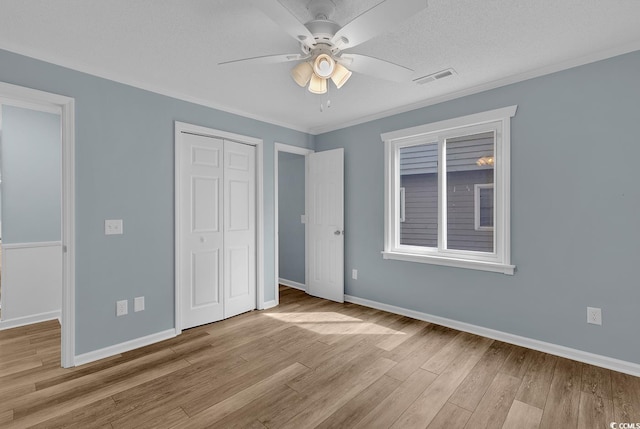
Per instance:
(476,203)
(497,121)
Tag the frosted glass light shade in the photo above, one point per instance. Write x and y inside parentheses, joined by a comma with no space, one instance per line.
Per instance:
(302,73)
(317,85)
(324,66)
(341,75)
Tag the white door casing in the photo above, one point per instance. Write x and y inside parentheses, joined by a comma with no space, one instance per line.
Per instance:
(239,229)
(325,223)
(216,229)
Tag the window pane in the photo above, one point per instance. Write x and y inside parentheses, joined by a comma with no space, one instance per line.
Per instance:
(469,161)
(419,178)
(486,207)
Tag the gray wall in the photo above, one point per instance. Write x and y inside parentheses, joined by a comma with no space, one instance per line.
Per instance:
(124,170)
(574,207)
(291,192)
(31,176)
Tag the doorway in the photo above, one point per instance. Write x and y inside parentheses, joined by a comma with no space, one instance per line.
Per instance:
(290,168)
(30,153)
(27,98)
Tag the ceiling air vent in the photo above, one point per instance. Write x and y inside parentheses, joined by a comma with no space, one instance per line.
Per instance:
(435,76)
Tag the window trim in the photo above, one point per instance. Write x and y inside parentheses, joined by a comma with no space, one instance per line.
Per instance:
(499,121)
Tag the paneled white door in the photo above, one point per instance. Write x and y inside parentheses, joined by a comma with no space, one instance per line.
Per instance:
(217,229)
(239,228)
(325,223)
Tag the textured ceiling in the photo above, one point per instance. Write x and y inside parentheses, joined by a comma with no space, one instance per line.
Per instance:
(174,47)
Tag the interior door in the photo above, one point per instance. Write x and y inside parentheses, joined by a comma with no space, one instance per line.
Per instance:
(240,228)
(201,235)
(325,223)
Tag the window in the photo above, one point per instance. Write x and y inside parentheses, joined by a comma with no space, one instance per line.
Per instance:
(447,192)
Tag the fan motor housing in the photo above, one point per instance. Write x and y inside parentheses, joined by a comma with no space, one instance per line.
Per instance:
(323,30)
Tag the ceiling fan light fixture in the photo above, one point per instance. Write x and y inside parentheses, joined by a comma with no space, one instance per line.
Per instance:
(324,66)
(301,73)
(341,75)
(318,85)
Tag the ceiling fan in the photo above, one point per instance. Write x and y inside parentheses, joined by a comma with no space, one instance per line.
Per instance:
(324,43)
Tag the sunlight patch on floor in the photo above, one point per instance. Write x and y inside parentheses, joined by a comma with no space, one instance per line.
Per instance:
(332,323)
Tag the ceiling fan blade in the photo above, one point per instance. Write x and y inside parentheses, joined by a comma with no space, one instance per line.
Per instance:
(285,20)
(268,59)
(375,67)
(376,20)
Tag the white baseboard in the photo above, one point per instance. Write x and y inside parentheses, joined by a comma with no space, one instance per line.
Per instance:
(123,347)
(269,304)
(28,320)
(553,349)
(292,284)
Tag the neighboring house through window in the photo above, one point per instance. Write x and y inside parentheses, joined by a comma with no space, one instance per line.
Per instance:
(447,192)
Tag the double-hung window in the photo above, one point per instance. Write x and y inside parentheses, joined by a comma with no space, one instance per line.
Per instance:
(447,187)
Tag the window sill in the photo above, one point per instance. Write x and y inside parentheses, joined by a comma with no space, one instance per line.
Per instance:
(451,262)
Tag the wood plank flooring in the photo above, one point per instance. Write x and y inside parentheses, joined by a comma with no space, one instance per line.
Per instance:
(309,363)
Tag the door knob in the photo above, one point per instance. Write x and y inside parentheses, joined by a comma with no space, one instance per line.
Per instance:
(338,232)
(202,239)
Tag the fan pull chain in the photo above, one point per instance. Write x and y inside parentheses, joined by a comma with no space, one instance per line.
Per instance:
(326,103)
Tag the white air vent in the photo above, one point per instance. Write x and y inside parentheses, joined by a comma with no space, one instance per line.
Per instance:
(435,76)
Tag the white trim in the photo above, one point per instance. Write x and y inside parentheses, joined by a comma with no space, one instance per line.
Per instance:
(277,148)
(292,284)
(28,320)
(497,121)
(270,304)
(449,124)
(509,80)
(162,90)
(124,347)
(542,71)
(23,104)
(31,245)
(66,107)
(451,262)
(550,348)
(180,127)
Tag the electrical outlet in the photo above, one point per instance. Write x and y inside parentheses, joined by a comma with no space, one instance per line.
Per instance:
(354,274)
(594,316)
(122,308)
(138,303)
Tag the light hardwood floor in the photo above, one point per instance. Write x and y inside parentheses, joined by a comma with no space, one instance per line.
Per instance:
(309,363)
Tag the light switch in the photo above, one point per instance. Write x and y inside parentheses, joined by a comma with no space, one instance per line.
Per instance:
(113,227)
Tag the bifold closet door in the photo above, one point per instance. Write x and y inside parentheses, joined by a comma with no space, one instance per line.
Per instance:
(239,228)
(217,229)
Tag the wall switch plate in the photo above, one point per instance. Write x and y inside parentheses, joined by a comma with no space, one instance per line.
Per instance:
(354,274)
(138,303)
(122,308)
(594,316)
(113,227)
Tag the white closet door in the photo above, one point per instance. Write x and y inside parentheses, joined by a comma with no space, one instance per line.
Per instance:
(201,230)
(239,228)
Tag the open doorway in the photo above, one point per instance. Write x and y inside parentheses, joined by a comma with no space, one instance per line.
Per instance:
(31,206)
(60,253)
(290,203)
